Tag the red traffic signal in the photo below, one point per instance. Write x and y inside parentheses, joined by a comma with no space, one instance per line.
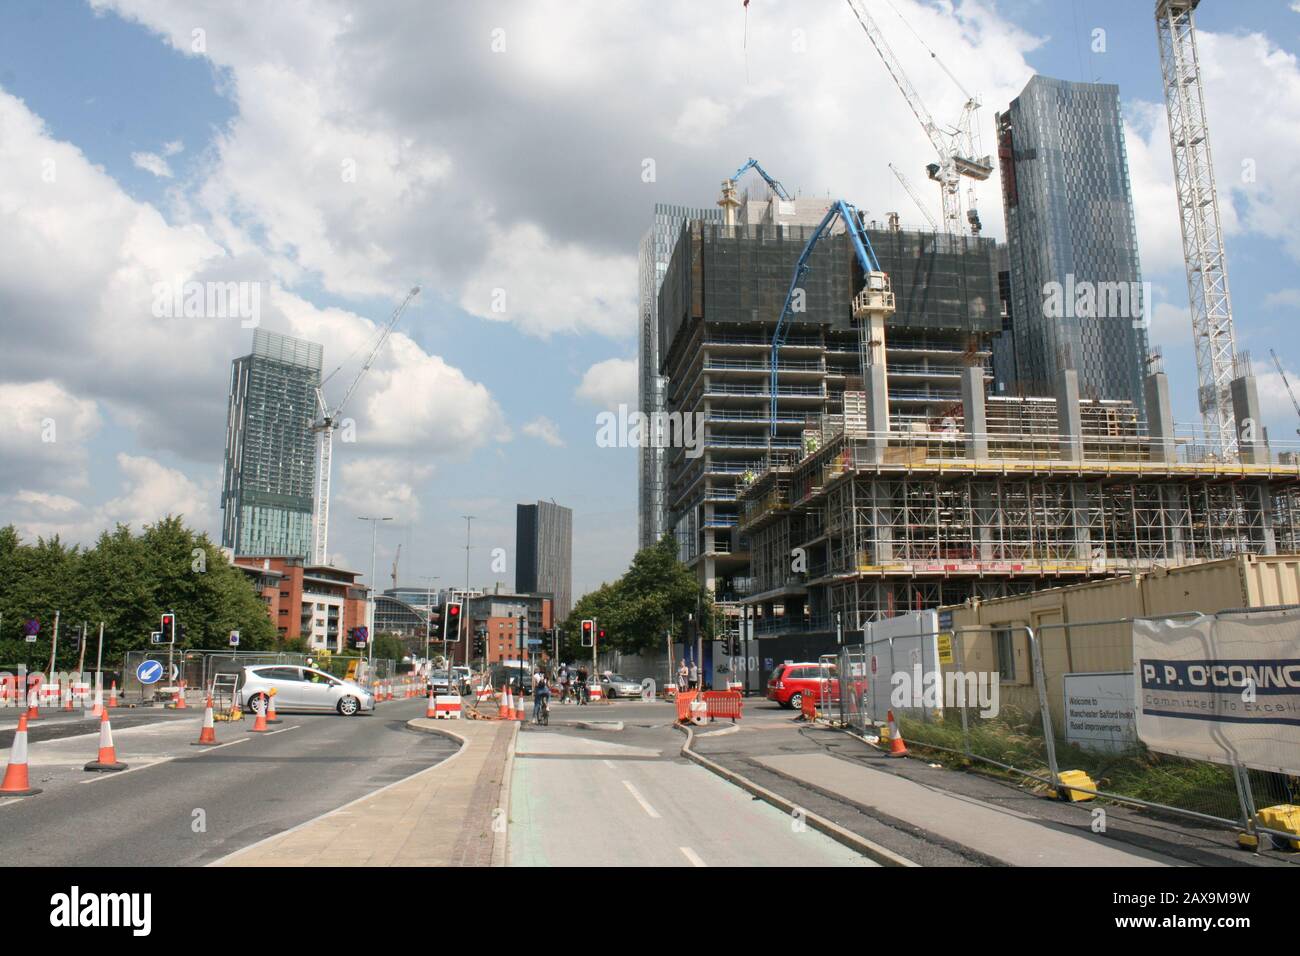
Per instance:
(451,622)
(601,633)
(588,628)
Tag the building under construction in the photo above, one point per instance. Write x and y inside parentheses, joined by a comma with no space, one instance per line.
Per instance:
(862,502)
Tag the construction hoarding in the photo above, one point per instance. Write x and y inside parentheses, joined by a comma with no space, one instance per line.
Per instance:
(1225,689)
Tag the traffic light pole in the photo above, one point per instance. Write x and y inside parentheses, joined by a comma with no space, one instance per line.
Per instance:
(595,639)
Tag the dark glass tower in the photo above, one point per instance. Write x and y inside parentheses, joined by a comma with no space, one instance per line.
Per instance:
(544,554)
(266,496)
(1076,283)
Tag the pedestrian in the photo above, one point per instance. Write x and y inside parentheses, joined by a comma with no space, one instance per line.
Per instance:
(683,675)
(694,676)
(582,685)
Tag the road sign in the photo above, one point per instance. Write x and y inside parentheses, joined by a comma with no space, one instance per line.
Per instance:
(149,672)
(945,648)
(30,630)
(234,638)
(534,640)
(156,637)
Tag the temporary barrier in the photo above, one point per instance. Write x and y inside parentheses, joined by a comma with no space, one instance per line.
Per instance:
(595,691)
(448,707)
(808,706)
(724,703)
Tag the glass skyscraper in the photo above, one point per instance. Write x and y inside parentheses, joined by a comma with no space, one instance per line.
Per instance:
(656,249)
(266,495)
(544,554)
(1077,299)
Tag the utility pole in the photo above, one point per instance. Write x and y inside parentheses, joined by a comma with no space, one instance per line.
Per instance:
(469,519)
(370,607)
(428,620)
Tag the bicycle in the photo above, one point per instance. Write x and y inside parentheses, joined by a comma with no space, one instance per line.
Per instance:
(542,711)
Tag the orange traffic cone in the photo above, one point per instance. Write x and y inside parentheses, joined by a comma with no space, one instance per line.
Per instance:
(112,695)
(33,702)
(270,711)
(431,711)
(896,746)
(259,723)
(507,706)
(107,760)
(15,783)
(208,735)
(178,698)
(99,700)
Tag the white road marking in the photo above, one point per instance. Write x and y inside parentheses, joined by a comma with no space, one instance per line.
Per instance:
(692,856)
(651,811)
(608,763)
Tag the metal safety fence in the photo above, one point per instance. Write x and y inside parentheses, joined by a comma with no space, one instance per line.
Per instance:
(1056,714)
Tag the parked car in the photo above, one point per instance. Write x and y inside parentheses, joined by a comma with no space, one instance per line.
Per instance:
(616,685)
(302,689)
(790,682)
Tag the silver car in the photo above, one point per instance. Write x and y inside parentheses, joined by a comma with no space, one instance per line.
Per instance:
(302,689)
(616,685)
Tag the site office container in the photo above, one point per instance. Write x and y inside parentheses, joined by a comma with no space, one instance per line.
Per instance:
(1239,582)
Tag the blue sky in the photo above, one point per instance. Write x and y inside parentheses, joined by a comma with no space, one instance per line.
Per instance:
(516,168)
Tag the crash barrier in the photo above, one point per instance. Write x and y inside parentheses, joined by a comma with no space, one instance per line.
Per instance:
(1068,730)
(447,707)
(808,707)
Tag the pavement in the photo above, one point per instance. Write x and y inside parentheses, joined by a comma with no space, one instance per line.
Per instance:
(617,792)
(448,815)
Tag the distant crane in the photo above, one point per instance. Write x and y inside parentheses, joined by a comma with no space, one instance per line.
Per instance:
(911,191)
(1287,383)
(871,306)
(1198,209)
(324,429)
(396,557)
(956,145)
(730,203)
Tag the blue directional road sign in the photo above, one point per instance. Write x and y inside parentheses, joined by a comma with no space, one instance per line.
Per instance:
(149,672)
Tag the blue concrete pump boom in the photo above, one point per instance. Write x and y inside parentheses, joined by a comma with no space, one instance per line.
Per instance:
(754,164)
(846,212)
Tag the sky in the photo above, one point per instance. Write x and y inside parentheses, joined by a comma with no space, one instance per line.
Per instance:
(506,157)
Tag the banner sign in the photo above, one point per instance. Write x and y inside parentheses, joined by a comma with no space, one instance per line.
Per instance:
(1224,689)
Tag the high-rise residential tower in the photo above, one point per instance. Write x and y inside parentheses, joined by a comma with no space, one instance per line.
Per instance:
(266,495)
(544,553)
(656,249)
(1076,282)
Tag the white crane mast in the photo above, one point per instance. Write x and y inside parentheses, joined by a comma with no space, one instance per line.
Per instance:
(911,191)
(324,428)
(956,146)
(1198,213)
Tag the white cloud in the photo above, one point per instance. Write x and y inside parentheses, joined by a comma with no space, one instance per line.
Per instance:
(543,428)
(43,439)
(610,383)
(172,147)
(1283,298)
(152,163)
(380,486)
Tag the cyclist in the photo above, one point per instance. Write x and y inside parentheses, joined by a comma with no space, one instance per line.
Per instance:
(541,695)
(582,685)
(565,679)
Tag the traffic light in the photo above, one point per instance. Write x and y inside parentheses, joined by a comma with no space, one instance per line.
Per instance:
(451,622)
(480,645)
(77,637)
(435,624)
(588,632)
(168,628)
(600,635)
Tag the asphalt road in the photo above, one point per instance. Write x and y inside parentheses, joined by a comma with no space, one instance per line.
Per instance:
(185,805)
(626,797)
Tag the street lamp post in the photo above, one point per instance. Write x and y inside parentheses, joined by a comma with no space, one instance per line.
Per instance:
(465,601)
(370,609)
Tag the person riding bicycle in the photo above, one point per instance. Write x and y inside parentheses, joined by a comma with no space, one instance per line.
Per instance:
(541,695)
(582,685)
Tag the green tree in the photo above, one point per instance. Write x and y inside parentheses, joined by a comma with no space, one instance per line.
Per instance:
(655,595)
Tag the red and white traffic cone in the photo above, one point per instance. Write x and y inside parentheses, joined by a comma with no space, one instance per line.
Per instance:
(896,746)
(112,695)
(208,735)
(99,700)
(507,710)
(15,783)
(178,698)
(33,704)
(431,710)
(270,711)
(107,760)
(259,720)
(67,698)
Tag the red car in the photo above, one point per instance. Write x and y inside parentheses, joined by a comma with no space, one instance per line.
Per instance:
(790,682)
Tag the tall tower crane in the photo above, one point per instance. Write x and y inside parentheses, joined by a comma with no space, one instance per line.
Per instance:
(911,191)
(324,429)
(956,145)
(1198,212)
(730,203)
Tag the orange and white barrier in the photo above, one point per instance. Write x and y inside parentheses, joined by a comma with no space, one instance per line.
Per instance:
(447,707)
(107,759)
(595,691)
(483,693)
